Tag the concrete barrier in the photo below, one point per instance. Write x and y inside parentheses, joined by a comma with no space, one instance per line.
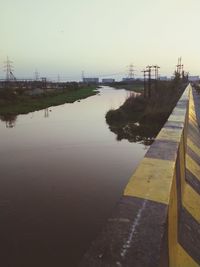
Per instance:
(157,221)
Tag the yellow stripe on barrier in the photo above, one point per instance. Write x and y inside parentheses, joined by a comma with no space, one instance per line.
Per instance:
(169,134)
(184,259)
(194,124)
(182,164)
(152,180)
(191,201)
(173,224)
(193,146)
(192,113)
(193,167)
(194,130)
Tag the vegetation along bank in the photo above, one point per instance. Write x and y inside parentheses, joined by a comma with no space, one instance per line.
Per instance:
(14,101)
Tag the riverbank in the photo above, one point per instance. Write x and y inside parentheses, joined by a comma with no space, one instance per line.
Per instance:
(24,104)
(138,115)
(136,86)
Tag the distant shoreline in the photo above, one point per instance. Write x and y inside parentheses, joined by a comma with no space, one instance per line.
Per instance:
(137,87)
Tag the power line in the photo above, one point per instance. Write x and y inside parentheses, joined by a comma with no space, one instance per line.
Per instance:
(37,75)
(131,71)
(179,67)
(8,68)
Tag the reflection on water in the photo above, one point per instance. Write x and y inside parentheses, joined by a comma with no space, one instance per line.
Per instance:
(9,120)
(129,122)
(46,112)
(144,133)
(61,176)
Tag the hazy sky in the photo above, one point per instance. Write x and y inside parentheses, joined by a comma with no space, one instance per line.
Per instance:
(98,36)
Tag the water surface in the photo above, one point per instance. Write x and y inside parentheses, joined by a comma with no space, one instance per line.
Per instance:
(62,172)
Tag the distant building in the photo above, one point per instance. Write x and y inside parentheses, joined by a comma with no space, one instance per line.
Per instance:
(163,78)
(91,80)
(128,79)
(108,80)
(193,78)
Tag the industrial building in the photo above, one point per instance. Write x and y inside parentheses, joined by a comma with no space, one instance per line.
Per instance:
(108,80)
(128,79)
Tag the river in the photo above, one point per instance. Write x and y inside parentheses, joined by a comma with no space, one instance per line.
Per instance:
(62,172)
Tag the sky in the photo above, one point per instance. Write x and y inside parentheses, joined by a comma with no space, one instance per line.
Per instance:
(101,37)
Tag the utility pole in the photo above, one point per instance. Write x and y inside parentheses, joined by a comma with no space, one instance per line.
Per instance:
(149,80)
(156,67)
(8,68)
(58,78)
(148,73)
(145,85)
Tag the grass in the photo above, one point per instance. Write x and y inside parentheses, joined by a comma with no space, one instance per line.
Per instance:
(136,86)
(150,114)
(158,107)
(26,104)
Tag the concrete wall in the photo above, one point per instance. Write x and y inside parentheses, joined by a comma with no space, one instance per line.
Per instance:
(157,220)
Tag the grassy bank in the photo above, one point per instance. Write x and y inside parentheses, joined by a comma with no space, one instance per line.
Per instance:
(136,86)
(142,118)
(25,104)
(158,107)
